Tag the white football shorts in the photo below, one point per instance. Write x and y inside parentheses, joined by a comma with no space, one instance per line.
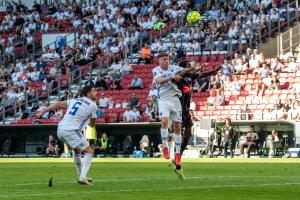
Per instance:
(73,139)
(170,108)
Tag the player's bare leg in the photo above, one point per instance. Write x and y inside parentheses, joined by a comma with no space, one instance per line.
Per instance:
(164,136)
(86,164)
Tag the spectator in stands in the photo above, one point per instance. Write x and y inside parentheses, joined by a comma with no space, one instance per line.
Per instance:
(100,82)
(134,101)
(103,145)
(277,113)
(228,137)
(251,141)
(110,103)
(216,98)
(103,101)
(137,114)
(35,107)
(145,54)
(128,116)
(149,109)
(99,113)
(156,46)
(115,79)
(203,84)
(126,68)
(275,82)
(227,68)
(59,113)
(232,85)
(136,83)
(65,97)
(294,112)
(274,143)
(220,45)
(276,66)
(293,65)
(52,147)
(79,94)
(215,138)
(89,81)
(118,104)
(125,104)
(70,95)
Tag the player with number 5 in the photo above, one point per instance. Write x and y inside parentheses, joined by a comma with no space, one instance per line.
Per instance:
(80,113)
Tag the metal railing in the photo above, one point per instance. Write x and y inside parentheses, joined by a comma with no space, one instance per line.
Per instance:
(287,41)
(267,116)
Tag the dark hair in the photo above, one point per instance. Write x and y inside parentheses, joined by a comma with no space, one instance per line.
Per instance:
(163,54)
(86,90)
(252,126)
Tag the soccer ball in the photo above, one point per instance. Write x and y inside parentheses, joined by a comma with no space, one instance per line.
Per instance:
(193,17)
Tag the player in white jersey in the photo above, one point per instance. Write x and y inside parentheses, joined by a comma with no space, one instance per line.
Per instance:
(80,112)
(169,105)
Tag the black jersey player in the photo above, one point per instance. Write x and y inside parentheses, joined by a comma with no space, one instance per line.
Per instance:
(186,87)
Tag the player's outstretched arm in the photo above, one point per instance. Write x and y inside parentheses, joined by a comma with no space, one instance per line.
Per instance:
(162,80)
(60,104)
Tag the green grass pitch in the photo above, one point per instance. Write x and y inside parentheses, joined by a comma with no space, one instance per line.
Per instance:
(27,179)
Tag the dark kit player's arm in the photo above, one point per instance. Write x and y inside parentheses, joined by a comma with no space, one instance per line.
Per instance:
(53,107)
(186,71)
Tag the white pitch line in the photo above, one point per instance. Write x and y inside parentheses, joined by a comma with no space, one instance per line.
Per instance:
(148,190)
(144,179)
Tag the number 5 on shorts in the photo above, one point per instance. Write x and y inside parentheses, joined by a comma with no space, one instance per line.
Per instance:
(75,108)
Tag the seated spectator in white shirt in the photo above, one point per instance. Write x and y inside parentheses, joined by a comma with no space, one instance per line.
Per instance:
(103,101)
(264,71)
(277,113)
(110,103)
(276,65)
(220,45)
(195,46)
(129,116)
(125,104)
(137,115)
(136,83)
(292,66)
(156,46)
(118,104)
(126,68)
(216,98)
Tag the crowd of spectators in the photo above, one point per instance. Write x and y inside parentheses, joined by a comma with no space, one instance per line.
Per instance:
(225,22)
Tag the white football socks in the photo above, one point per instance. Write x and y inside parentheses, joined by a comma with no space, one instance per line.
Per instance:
(86,164)
(77,162)
(164,136)
(177,140)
